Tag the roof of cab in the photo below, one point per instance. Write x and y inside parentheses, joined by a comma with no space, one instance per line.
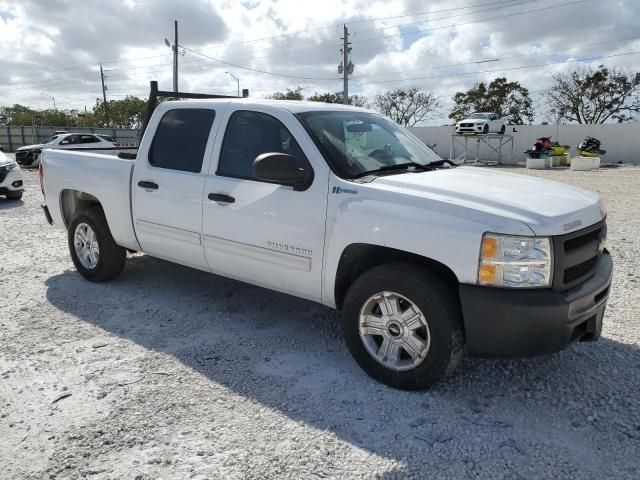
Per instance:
(293,106)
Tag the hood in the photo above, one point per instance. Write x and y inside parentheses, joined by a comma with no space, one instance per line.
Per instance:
(31,147)
(4,160)
(546,207)
(471,119)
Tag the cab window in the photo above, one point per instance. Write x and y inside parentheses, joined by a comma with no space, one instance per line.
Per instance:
(248,135)
(181,139)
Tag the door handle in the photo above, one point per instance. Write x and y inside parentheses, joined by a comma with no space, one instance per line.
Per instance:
(221,197)
(148,185)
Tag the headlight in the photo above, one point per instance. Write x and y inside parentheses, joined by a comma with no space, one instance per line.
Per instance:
(12,166)
(479,123)
(515,262)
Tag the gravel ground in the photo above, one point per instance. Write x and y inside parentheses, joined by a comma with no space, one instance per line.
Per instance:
(169,373)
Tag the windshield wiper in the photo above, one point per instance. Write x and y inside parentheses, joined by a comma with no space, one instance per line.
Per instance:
(439,163)
(399,166)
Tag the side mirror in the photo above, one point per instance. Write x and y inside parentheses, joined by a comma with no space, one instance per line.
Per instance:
(283,169)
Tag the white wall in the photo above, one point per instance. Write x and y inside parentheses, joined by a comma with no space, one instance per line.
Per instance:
(621,141)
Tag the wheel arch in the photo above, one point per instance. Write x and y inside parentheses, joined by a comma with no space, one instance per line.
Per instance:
(357,258)
(73,200)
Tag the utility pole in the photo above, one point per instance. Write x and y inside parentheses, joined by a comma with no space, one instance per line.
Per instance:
(345,67)
(104,96)
(174,49)
(175,56)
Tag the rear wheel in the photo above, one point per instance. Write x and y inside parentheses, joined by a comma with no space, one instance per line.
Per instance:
(403,326)
(93,250)
(14,195)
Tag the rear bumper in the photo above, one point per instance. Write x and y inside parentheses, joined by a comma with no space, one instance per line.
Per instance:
(47,215)
(521,323)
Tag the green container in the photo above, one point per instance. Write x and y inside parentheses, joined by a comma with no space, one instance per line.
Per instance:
(557,150)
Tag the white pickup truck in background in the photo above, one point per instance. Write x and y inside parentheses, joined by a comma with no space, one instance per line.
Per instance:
(339,205)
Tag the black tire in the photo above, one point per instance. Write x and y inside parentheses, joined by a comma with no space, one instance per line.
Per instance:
(439,304)
(14,196)
(111,257)
(503,129)
(485,130)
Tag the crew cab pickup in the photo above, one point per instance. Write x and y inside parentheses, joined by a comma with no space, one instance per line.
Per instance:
(423,259)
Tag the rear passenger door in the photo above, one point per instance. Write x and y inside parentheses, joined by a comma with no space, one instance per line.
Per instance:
(168,182)
(261,232)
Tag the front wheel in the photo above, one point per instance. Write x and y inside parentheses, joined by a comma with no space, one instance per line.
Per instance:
(485,130)
(502,129)
(403,326)
(93,250)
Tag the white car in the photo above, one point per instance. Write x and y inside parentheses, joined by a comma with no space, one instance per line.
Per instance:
(11,185)
(423,259)
(29,155)
(482,123)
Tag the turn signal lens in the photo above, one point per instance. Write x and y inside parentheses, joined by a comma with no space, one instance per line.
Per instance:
(489,248)
(487,274)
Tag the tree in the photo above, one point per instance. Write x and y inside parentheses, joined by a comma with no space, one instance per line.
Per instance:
(22,115)
(295,94)
(328,97)
(507,99)
(406,106)
(595,96)
(125,113)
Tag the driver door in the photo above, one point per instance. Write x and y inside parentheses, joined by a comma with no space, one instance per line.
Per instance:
(261,232)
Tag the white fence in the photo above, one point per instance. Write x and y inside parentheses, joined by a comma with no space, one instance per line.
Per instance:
(621,141)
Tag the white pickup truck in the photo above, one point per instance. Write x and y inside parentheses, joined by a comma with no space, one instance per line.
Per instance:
(339,205)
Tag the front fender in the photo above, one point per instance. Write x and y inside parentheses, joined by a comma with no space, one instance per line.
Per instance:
(440,231)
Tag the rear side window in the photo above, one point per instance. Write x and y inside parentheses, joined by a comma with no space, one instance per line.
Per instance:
(248,135)
(181,139)
(89,139)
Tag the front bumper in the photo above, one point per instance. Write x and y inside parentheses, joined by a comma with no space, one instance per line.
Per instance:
(11,181)
(470,129)
(520,323)
(26,158)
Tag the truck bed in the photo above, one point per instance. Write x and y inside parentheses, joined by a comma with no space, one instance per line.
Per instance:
(103,176)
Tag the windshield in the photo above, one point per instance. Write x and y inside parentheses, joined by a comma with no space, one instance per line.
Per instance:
(484,116)
(355,143)
(50,139)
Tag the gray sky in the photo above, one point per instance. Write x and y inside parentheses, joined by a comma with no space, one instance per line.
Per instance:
(54,46)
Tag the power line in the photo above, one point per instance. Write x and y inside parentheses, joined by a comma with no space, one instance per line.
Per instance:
(502,59)
(45,82)
(473,21)
(254,69)
(584,60)
(501,7)
(290,34)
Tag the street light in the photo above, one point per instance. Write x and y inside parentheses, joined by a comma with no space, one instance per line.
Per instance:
(236,79)
(51,97)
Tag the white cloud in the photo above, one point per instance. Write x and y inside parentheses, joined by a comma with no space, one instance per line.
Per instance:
(54,46)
